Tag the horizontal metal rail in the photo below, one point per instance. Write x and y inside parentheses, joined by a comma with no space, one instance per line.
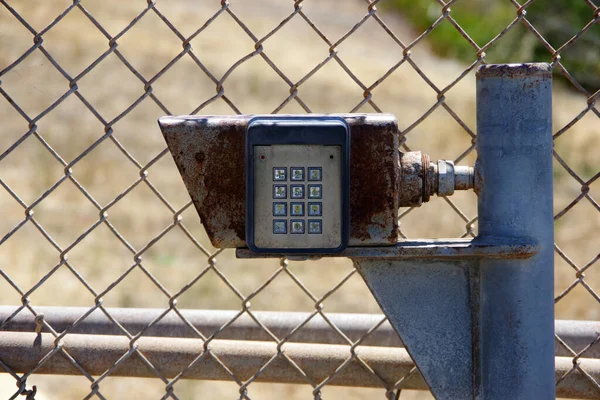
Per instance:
(22,351)
(576,334)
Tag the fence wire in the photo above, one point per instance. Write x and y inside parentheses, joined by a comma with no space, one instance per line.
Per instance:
(107,221)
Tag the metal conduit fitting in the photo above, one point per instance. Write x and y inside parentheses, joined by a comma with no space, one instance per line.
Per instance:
(420,178)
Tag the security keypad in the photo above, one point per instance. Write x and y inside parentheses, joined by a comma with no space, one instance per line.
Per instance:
(297,185)
(300,191)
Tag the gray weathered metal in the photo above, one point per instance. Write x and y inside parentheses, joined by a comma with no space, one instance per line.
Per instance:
(516,298)
(429,304)
(437,249)
(171,356)
(576,334)
(483,328)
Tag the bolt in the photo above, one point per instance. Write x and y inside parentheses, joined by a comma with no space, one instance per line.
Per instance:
(450,178)
(420,178)
(445,177)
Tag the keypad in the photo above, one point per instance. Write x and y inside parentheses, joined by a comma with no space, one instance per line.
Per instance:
(299,205)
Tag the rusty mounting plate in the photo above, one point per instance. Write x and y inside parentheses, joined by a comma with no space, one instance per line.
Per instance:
(210,154)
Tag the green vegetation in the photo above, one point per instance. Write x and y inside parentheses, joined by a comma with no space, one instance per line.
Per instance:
(482,20)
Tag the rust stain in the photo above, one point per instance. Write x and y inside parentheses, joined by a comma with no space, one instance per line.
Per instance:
(209,153)
(373,176)
(411,179)
(225,179)
(478,178)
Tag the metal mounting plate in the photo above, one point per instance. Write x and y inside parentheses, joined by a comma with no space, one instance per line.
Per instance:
(440,249)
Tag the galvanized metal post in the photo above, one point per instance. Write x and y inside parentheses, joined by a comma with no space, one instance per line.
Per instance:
(516,333)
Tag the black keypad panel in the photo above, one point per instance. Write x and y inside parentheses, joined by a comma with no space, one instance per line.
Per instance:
(294,187)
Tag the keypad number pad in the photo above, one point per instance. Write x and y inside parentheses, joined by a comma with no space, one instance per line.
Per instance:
(299,193)
(297,184)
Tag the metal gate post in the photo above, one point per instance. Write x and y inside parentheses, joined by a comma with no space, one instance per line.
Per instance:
(482,326)
(514,142)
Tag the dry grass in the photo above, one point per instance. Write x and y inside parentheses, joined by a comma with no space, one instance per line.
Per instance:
(105,172)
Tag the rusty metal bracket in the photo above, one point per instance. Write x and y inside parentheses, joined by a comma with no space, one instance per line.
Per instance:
(436,249)
(209,153)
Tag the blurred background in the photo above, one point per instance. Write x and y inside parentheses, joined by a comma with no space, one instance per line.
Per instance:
(128,64)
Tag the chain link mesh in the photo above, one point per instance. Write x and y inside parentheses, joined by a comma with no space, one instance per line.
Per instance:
(95,214)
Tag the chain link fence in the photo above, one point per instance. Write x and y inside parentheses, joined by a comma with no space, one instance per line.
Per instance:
(95,215)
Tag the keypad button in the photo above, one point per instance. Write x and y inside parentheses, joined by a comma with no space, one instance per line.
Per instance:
(280,174)
(297,226)
(279,191)
(315,226)
(279,209)
(297,209)
(279,226)
(315,209)
(297,191)
(315,174)
(297,173)
(315,191)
